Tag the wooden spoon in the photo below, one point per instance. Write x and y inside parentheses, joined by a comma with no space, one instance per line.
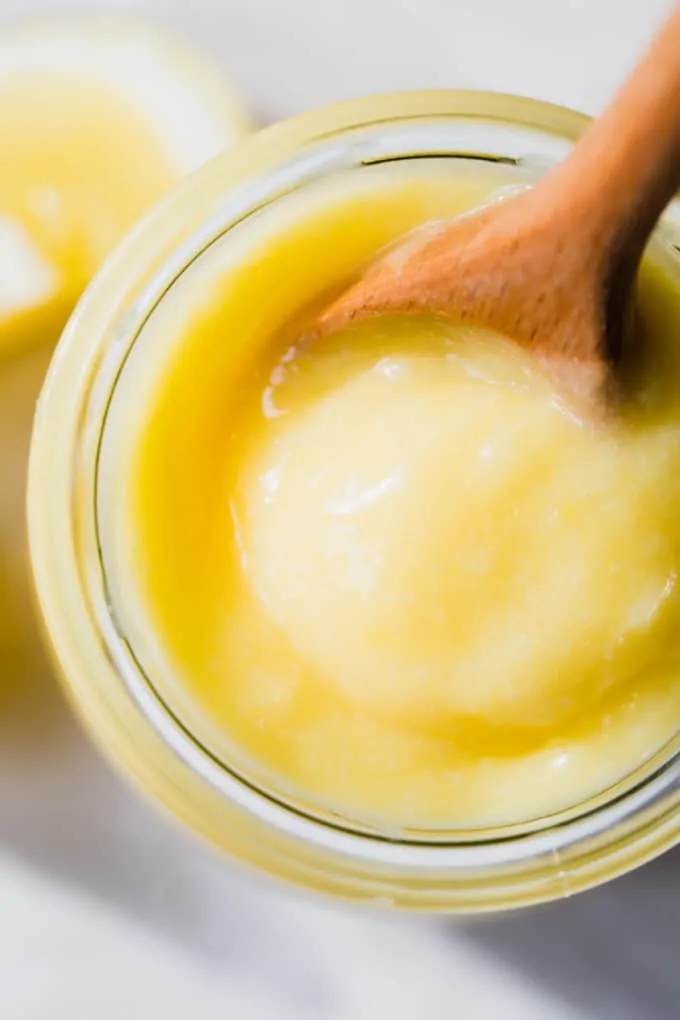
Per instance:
(552,268)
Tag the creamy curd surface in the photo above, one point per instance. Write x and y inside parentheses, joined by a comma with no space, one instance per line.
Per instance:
(393,574)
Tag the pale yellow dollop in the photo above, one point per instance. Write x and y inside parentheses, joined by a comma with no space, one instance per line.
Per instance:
(438,536)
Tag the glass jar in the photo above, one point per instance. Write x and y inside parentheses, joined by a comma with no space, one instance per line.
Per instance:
(486,869)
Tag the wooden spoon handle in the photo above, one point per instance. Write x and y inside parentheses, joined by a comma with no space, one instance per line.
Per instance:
(627,166)
(554,267)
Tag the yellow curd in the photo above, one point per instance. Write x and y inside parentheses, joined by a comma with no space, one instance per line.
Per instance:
(391,573)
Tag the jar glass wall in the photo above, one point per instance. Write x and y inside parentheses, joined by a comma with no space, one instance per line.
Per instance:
(540,859)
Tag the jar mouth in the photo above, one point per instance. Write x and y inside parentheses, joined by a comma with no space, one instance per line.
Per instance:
(556,853)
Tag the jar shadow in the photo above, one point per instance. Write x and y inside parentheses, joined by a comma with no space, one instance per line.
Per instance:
(29,697)
(39,741)
(610,952)
(61,806)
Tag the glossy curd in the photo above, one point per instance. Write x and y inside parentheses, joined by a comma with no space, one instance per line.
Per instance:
(391,574)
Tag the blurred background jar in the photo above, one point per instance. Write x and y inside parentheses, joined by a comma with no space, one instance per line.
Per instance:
(89,140)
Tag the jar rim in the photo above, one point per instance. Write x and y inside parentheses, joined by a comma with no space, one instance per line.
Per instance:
(524,863)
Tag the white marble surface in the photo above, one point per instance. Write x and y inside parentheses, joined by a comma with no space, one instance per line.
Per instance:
(106,909)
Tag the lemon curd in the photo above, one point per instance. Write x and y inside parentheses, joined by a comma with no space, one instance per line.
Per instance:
(391,573)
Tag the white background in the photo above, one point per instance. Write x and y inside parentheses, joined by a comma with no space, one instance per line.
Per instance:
(108,912)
